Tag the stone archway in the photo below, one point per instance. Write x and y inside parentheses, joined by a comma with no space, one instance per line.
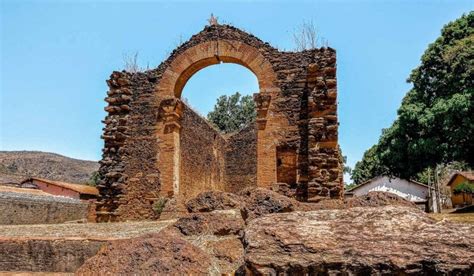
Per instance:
(297,126)
(169,89)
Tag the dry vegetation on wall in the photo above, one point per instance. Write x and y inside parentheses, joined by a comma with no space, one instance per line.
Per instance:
(130,63)
(307,37)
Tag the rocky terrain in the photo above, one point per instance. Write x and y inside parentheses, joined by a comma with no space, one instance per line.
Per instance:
(358,241)
(259,232)
(18,165)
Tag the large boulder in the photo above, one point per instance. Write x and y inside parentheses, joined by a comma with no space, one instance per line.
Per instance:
(358,241)
(257,202)
(213,200)
(227,254)
(253,202)
(164,253)
(219,234)
(219,223)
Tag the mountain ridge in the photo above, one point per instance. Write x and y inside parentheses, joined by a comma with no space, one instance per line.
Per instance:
(15,166)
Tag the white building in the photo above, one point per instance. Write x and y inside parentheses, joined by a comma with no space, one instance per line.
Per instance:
(410,190)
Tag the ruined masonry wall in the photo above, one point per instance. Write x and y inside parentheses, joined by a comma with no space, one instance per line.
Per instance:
(241,160)
(301,117)
(202,156)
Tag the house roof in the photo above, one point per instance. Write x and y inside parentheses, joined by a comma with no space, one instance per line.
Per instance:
(22,190)
(468,175)
(377,177)
(80,188)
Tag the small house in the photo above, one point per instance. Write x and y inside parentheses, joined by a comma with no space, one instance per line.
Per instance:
(460,199)
(413,191)
(59,188)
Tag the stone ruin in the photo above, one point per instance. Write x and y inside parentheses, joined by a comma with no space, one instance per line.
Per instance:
(155,146)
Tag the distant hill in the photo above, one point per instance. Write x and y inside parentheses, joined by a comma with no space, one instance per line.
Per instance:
(18,165)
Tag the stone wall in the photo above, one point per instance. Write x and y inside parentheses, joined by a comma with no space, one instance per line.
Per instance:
(129,176)
(28,209)
(241,160)
(296,107)
(202,156)
(45,255)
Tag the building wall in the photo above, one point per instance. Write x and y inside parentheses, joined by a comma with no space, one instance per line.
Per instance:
(56,190)
(241,160)
(400,187)
(458,199)
(202,153)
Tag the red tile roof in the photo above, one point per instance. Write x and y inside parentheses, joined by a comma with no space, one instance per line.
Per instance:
(23,191)
(80,188)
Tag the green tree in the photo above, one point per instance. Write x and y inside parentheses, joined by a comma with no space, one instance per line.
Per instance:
(435,123)
(346,168)
(232,113)
(343,160)
(368,168)
(443,172)
(349,186)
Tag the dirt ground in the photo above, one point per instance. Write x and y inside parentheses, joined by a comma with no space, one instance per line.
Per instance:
(29,273)
(100,231)
(446,215)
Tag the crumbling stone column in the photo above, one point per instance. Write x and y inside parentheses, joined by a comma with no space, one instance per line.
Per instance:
(266,146)
(171,111)
(112,165)
(325,174)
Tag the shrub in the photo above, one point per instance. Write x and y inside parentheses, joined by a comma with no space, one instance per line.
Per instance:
(94,179)
(159,205)
(464,187)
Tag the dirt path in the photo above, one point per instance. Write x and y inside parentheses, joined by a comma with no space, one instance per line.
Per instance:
(99,231)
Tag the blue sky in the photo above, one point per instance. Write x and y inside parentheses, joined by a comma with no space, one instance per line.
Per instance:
(56,55)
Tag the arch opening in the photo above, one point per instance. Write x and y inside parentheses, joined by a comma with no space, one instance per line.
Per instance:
(204,64)
(221,154)
(186,64)
(217,156)
(202,90)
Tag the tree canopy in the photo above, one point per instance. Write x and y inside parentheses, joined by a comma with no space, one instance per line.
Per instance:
(435,122)
(369,167)
(232,113)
